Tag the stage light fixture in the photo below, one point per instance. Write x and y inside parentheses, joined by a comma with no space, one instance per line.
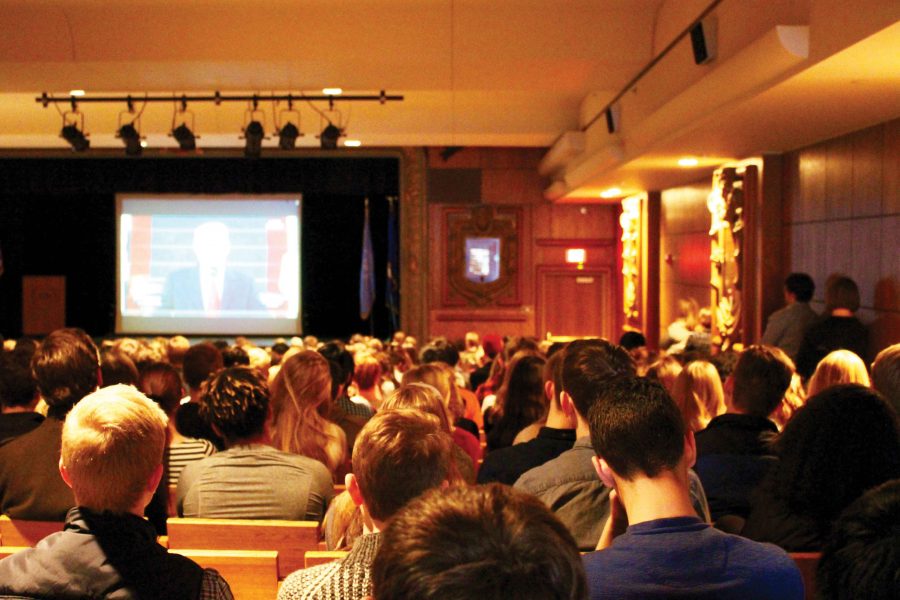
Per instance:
(287,136)
(253,135)
(329,137)
(185,137)
(352,143)
(75,137)
(131,138)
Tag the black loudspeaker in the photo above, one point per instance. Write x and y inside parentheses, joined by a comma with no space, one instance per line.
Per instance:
(612,119)
(454,186)
(703,40)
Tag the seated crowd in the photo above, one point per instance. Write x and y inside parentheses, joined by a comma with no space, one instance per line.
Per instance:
(495,468)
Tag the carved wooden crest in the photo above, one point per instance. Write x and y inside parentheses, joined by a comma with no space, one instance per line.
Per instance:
(482,256)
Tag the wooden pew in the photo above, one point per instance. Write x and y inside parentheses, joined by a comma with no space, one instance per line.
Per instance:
(251,574)
(172,508)
(807,563)
(291,539)
(10,550)
(320,557)
(16,532)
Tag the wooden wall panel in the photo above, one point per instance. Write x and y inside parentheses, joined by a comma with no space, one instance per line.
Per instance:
(811,184)
(890,203)
(509,178)
(868,159)
(684,269)
(839,179)
(842,198)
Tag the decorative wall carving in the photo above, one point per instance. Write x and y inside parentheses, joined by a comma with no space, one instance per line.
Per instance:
(630,222)
(726,205)
(482,256)
(414,245)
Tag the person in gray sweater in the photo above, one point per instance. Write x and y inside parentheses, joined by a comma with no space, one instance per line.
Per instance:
(250,479)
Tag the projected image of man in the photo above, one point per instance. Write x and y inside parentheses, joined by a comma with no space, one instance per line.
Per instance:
(211,287)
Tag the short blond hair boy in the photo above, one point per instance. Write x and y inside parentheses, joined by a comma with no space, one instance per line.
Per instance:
(112,449)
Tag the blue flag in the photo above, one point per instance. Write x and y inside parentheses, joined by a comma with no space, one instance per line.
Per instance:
(392,293)
(366,271)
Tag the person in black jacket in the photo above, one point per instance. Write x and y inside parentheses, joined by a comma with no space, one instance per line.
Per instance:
(111,457)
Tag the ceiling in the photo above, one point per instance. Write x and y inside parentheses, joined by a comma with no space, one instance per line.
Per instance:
(473,73)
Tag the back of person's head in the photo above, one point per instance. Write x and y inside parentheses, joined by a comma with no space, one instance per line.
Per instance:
(112,442)
(838,366)
(422,397)
(18,389)
(65,366)
(399,454)
(116,367)
(235,356)
(367,372)
(335,351)
(725,361)
(761,378)
(553,372)
(522,394)
(300,399)
(492,344)
(200,361)
(886,374)
(236,403)
(698,394)
(841,292)
(665,370)
(176,347)
(843,442)
(472,340)
(589,365)
(632,339)
(801,286)
(637,428)
(439,376)
(489,542)
(161,383)
(861,558)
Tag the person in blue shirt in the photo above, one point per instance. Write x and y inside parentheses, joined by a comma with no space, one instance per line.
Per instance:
(653,545)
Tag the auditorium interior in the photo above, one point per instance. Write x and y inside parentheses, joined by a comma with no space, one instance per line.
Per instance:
(627,154)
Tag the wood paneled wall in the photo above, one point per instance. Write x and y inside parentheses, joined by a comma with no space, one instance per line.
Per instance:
(684,249)
(508,177)
(842,214)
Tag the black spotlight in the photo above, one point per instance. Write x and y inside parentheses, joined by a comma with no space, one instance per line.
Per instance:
(287,137)
(185,137)
(329,137)
(75,137)
(254,135)
(131,138)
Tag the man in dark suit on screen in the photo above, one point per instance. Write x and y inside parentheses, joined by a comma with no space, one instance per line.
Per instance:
(211,286)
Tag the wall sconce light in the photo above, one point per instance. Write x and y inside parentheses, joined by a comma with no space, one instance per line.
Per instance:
(576,256)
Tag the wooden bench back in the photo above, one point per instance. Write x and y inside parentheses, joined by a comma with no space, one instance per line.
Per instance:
(320,557)
(251,574)
(291,539)
(807,563)
(16,532)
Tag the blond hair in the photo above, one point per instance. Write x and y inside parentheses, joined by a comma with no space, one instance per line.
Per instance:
(439,376)
(840,366)
(300,399)
(698,394)
(422,397)
(112,442)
